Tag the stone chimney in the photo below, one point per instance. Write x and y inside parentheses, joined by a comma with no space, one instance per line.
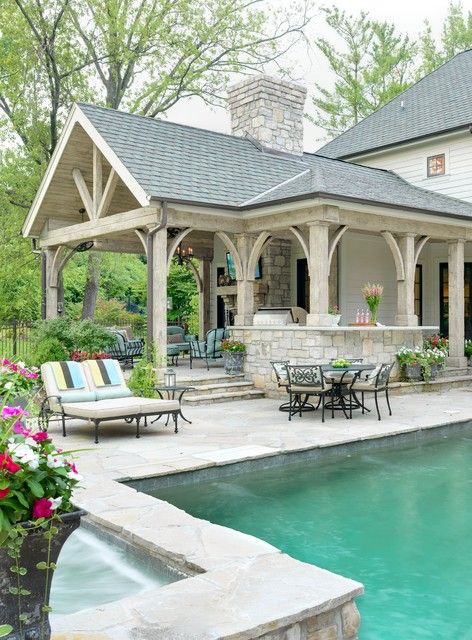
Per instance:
(270,110)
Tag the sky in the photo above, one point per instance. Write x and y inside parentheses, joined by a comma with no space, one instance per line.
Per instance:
(408,16)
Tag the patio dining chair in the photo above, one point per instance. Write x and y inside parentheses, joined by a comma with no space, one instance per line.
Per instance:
(374,381)
(306,380)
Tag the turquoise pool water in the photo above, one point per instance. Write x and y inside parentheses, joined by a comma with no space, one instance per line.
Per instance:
(399,521)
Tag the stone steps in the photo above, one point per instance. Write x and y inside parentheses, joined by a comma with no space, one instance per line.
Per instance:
(219,387)
(443,383)
(210,380)
(224,396)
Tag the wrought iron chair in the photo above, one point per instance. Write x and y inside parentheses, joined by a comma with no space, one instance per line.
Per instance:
(375,381)
(306,380)
(208,349)
(279,368)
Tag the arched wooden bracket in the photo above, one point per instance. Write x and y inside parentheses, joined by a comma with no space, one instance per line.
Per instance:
(174,243)
(397,256)
(419,247)
(334,241)
(229,244)
(143,237)
(262,241)
(302,239)
(58,263)
(197,276)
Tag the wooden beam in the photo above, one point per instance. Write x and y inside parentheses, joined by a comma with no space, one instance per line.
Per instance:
(129,220)
(108,194)
(97,190)
(84,192)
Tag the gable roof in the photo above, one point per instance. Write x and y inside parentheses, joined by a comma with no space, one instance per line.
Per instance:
(161,160)
(438,103)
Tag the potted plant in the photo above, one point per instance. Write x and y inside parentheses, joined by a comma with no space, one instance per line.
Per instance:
(373,296)
(36,518)
(435,359)
(233,356)
(335,315)
(410,362)
(468,352)
(17,381)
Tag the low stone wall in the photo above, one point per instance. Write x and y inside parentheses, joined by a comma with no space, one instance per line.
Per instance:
(321,345)
(341,623)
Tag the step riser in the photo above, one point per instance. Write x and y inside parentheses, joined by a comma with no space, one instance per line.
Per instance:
(200,382)
(195,402)
(223,388)
(437,385)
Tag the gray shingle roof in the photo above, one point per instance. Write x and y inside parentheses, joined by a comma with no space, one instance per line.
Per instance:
(180,163)
(439,102)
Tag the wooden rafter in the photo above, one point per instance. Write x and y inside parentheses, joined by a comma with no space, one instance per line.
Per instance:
(98,203)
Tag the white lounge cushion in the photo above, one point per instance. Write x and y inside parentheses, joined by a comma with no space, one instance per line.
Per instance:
(118,408)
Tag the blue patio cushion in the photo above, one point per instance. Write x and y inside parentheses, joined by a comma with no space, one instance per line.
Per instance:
(77,395)
(110,393)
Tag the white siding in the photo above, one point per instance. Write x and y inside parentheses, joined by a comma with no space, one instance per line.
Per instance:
(409,162)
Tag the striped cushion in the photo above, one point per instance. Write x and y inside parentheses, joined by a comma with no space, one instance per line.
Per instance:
(68,375)
(104,372)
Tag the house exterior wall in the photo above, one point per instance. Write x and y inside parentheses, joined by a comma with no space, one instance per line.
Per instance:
(409,161)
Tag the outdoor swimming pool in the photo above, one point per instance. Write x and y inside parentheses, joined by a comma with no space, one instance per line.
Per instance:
(398,520)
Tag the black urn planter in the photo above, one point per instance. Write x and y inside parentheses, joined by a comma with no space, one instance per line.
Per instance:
(33,550)
(234,362)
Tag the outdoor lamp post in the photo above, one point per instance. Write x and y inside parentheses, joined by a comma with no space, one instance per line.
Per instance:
(170,378)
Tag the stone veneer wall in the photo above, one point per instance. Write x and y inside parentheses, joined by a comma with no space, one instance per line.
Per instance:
(320,345)
(270,110)
(341,623)
(276,272)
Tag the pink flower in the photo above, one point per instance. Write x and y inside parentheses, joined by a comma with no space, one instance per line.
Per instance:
(42,508)
(20,429)
(7,463)
(5,361)
(11,412)
(40,436)
(4,493)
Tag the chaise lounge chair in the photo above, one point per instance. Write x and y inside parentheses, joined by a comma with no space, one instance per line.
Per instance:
(96,390)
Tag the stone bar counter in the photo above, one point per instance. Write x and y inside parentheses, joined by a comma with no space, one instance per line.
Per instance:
(306,344)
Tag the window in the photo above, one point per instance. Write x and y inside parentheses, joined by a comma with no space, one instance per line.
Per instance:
(436,165)
(419,293)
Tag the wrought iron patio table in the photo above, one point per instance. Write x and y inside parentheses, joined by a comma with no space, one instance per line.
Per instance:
(340,386)
(170,393)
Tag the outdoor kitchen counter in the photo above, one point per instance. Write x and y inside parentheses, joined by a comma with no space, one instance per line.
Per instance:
(301,344)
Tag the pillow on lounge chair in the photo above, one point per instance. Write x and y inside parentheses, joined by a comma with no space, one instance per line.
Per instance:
(107,378)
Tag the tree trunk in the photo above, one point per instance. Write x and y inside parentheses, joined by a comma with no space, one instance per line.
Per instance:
(91,285)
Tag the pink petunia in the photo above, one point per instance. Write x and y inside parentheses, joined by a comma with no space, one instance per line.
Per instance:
(40,436)
(20,429)
(42,508)
(12,412)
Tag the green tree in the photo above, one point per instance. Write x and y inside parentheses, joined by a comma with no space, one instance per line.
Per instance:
(144,55)
(456,36)
(371,64)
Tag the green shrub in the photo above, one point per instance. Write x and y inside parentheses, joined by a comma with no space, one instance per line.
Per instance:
(48,350)
(90,337)
(143,379)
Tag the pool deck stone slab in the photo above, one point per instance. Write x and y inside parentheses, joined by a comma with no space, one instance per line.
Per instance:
(240,587)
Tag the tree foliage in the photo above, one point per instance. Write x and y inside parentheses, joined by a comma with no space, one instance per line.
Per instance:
(143,55)
(371,63)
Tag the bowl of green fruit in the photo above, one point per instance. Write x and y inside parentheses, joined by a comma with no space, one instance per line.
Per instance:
(340,363)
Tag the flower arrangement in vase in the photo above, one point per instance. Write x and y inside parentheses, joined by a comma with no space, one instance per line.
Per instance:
(233,356)
(36,517)
(372,294)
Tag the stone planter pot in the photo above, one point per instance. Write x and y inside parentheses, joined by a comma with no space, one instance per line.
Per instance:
(233,361)
(411,372)
(435,369)
(34,550)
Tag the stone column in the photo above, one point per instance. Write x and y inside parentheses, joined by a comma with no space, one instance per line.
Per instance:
(406,288)
(159,297)
(319,274)
(204,297)
(456,303)
(245,287)
(51,282)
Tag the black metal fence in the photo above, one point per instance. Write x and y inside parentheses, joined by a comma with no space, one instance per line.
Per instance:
(15,337)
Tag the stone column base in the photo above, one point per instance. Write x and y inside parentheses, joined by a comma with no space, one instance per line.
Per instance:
(319,320)
(406,321)
(240,320)
(456,362)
